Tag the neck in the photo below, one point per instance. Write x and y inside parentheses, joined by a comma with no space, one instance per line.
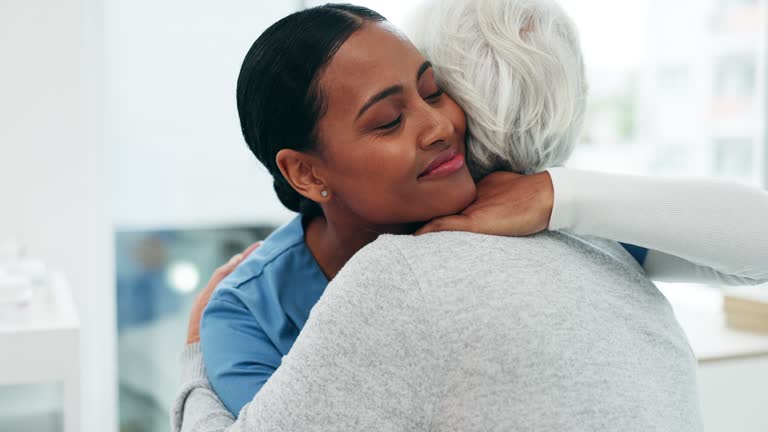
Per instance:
(333,241)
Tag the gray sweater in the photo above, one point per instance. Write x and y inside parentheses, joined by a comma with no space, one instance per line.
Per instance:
(468,332)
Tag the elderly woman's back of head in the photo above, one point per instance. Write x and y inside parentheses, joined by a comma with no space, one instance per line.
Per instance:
(516,68)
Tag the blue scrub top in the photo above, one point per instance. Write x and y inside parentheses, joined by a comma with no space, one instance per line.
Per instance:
(256,313)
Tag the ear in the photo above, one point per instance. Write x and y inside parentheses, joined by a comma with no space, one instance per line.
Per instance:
(300,170)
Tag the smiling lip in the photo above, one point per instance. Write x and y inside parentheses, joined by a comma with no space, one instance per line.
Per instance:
(445,163)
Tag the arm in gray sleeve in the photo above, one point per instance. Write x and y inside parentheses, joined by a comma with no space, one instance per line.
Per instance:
(197,407)
(365,360)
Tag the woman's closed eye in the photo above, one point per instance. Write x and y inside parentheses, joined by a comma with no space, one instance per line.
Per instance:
(392,124)
(434,96)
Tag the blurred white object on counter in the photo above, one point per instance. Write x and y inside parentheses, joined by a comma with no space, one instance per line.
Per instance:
(15,292)
(24,282)
(43,345)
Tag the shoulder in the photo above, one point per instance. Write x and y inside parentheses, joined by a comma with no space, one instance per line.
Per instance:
(283,253)
(394,263)
(388,253)
(377,288)
(385,250)
(443,254)
(451,247)
(606,248)
(379,267)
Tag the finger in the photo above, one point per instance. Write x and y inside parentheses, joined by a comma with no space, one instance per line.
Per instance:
(250,249)
(500,176)
(447,223)
(234,261)
(222,272)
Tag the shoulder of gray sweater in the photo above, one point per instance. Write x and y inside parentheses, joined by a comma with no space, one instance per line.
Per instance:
(381,263)
(386,252)
(418,250)
(428,246)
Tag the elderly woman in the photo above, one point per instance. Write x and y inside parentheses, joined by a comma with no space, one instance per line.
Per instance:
(459,331)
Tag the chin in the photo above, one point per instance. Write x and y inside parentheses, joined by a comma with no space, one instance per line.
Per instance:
(466,189)
(455,198)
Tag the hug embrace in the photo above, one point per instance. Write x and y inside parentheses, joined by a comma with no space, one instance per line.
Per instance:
(446,270)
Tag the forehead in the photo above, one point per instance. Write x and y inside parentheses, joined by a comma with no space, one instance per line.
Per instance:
(373,58)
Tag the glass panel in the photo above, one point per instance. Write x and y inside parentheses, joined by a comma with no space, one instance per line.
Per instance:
(687,101)
(733,158)
(159,273)
(675,90)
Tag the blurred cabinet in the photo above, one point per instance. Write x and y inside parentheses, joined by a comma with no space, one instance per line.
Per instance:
(43,347)
(733,365)
(733,394)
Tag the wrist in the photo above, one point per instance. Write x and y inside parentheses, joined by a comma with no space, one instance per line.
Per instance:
(193,332)
(547,197)
(562,198)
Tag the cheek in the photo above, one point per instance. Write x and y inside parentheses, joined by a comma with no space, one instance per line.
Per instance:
(378,197)
(382,189)
(368,180)
(456,115)
(361,168)
(377,163)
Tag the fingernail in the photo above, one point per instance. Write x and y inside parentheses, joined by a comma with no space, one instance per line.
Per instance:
(235,259)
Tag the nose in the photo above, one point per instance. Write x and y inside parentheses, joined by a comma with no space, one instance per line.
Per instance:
(437,127)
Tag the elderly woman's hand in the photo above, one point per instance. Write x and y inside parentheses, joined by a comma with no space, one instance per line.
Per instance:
(507,204)
(193,331)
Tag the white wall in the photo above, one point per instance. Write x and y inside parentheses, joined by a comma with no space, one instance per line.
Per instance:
(396,11)
(54,169)
(122,113)
(180,158)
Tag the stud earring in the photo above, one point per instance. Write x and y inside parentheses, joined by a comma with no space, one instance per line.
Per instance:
(324,194)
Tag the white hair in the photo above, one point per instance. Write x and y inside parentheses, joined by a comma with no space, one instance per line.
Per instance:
(516,68)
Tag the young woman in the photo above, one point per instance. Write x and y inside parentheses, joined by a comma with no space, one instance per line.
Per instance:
(361,140)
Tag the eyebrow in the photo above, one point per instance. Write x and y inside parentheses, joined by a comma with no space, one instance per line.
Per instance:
(426,65)
(389,91)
